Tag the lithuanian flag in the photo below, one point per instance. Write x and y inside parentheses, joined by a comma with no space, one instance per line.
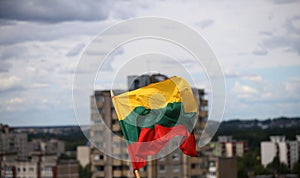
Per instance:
(152,115)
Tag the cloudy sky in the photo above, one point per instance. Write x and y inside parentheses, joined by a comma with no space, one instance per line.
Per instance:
(256,42)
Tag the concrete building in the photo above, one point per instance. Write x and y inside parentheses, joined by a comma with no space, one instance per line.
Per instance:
(37,159)
(43,169)
(47,146)
(103,116)
(286,151)
(11,142)
(228,147)
(66,169)
(83,155)
(222,167)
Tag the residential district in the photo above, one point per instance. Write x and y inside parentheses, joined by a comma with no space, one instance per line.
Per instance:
(24,154)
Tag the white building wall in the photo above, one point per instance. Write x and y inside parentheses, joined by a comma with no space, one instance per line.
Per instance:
(268,152)
(283,152)
(294,152)
(83,155)
(229,149)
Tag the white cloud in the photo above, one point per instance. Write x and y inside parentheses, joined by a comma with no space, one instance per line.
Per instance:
(10,83)
(293,85)
(39,49)
(15,100)
(243,91)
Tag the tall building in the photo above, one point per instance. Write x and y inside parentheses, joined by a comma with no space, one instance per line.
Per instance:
(104,119)
(11,142)
(286,151)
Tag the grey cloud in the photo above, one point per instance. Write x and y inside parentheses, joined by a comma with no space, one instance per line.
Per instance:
(260,52)
(4,22)
(290,39)
(22,32)
(54,10)
(76,50)
(12,52)
(12,89)
(205,23)
(266,33)
(284,1)
(4,66)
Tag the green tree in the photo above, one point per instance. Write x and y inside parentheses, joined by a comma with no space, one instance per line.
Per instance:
(85,172)
(260,170)
(296,168)
(277,166)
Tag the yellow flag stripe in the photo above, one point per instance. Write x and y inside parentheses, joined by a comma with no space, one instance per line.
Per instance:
(156,96)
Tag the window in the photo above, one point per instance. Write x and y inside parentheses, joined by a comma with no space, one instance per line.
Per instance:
(99,157)
(117,167)
(99,168)
(193,166)
(176,168)
(175,156)
(100,98)
(31,169)
(162,168)
(47,169)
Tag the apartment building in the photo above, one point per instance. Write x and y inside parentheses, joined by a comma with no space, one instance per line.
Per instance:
(286,151)
(228,147)
(11,142)
(104,119)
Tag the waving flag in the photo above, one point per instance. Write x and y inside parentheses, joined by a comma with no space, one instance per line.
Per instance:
(152,115)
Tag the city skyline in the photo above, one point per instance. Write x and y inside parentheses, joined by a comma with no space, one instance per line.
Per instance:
(256,43)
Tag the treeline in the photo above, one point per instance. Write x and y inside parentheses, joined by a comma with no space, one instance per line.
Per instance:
(255,131)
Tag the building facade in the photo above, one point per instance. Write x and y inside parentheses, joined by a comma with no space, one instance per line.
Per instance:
(222,167)
(104,120)
(83,155)
(228,147)
(278,146)
(36,159)
(14,143)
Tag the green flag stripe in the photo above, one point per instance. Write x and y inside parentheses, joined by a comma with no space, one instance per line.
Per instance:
(173,114)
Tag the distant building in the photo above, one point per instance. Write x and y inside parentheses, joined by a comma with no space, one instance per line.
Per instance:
(103,115)
(66,169)
(222,167)
(227,147)
(83,155)
(45,168)
(47,146)
(11,142)
(135,82)
(37,159)
(286,151)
